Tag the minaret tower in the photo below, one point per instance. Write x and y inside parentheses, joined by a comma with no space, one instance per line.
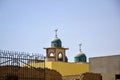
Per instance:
(56,52)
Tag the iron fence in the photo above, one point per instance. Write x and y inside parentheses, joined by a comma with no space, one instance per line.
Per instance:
(16,65)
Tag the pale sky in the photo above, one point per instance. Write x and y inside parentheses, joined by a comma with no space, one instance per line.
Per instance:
(28,26)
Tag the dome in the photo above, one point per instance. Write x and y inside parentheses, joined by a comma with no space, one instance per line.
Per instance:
(80,57)
(56,42)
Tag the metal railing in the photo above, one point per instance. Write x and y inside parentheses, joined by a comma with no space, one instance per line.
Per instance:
(14,63)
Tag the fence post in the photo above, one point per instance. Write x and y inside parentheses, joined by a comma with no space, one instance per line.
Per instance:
(44,70)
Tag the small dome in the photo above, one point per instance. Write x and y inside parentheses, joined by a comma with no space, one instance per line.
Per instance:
(56,42)
(80,57)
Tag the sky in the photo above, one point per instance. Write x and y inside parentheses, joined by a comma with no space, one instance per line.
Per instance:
(28,26)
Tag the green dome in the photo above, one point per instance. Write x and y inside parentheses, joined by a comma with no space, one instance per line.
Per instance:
(56,42)
(80,57)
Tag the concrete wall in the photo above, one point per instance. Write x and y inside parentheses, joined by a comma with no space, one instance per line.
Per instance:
(108,66)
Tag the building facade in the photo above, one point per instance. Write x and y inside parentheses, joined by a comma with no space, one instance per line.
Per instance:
(108,66)
(56,59)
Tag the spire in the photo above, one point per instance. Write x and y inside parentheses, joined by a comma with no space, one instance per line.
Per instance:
(80,47)
(56,33)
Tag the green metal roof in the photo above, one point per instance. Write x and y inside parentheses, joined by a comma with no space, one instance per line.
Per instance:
(80,57)
(79,54)
(56,42)
(55,39)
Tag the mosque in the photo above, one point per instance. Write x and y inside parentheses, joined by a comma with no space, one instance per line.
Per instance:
(56,59)
(57,67)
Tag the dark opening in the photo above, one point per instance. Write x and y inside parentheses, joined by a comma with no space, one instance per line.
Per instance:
(117,77)
(101,77)
(11,78)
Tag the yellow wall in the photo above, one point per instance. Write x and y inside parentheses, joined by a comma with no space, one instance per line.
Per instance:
(64,68)
(35,64)
(39,64)
(70,68)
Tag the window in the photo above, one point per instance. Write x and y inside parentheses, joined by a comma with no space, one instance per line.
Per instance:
(60,55)
(51,54)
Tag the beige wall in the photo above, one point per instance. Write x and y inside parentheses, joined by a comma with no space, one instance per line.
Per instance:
(108,66)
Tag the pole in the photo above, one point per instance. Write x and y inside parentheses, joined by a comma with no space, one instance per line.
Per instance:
(44,70)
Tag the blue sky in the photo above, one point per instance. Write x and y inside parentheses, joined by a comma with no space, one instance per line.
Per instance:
(28,25)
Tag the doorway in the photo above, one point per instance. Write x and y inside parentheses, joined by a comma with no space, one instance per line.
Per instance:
(117,77)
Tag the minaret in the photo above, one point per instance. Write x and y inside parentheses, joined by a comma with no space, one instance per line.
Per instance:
(56,52)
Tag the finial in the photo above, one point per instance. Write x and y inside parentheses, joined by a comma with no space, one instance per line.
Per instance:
(80,47)
(56,32)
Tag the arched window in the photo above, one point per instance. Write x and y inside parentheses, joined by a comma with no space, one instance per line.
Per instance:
(52,54)
(60,57)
